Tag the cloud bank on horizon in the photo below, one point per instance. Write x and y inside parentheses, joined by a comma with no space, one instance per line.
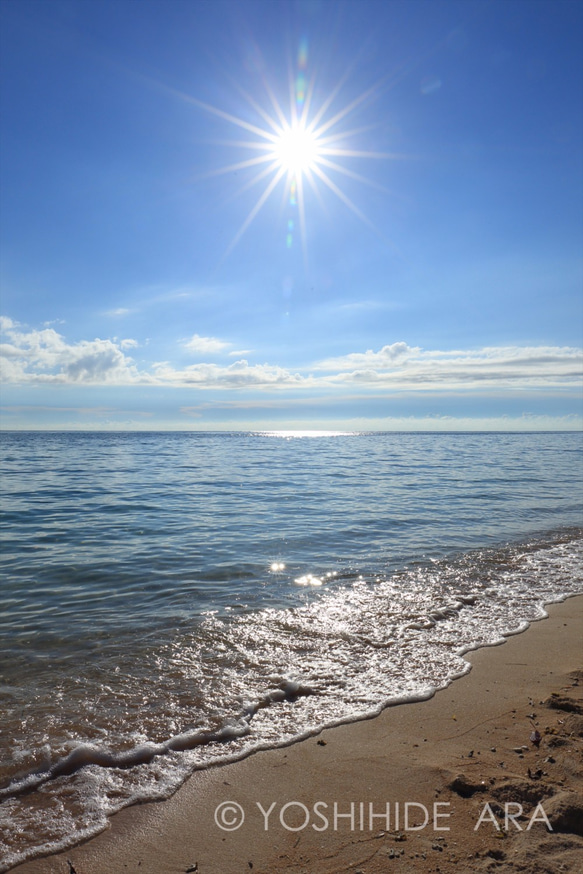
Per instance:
(265,215)
(44,357)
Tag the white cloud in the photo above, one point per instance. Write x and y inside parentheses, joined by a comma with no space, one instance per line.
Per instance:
(44,356)
(403,367)
(206,345)
(120,311)
(240,374)
(303,426)
(398,367)
(386,356)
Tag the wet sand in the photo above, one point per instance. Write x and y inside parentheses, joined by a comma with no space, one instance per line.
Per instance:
(485,776)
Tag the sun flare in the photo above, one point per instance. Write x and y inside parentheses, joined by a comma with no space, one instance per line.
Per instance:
(305,147)
(296,150)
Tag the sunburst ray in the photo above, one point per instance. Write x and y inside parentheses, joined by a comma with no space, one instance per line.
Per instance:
(299,148)
(252,214)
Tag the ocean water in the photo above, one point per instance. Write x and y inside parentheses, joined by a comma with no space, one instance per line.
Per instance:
(174,600)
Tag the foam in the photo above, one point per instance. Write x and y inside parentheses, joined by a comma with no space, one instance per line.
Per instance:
(268,678)
(143,754)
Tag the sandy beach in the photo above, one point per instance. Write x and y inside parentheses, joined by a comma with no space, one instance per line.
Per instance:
(485,776)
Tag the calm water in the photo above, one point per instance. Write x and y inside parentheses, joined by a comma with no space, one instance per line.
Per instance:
(174,600)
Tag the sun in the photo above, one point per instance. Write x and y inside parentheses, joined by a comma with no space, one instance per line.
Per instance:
(298,148)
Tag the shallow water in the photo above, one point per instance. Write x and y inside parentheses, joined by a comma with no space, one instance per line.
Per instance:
(173,600)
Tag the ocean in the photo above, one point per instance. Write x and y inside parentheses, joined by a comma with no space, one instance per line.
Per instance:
(171,601)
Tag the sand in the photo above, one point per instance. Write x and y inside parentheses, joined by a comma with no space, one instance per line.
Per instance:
(476,789)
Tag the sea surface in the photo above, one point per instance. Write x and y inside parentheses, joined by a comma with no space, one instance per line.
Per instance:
(174,600)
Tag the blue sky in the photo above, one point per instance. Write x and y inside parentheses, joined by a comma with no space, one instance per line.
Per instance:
(273,215)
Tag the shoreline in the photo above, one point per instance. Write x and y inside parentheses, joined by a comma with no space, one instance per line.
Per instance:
(455,760)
